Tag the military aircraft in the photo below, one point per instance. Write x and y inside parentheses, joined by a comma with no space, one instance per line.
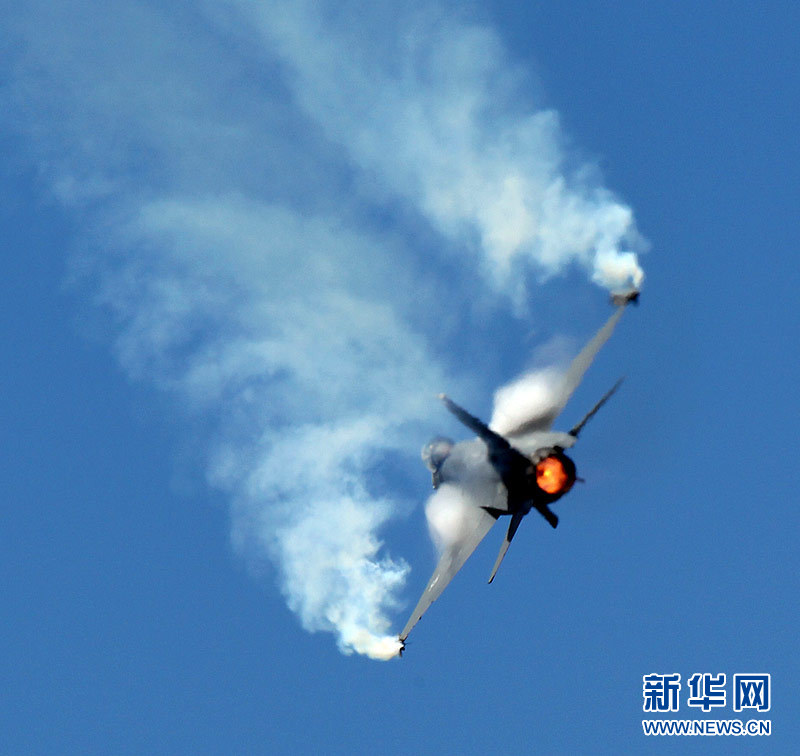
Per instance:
(495,475)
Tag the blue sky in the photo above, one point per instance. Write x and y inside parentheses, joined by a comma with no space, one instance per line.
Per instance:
(244,247)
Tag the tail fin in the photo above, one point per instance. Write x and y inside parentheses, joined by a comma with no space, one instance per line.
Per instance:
(493,440)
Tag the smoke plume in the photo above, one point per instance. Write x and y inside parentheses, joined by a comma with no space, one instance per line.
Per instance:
(435,115)
(230,169)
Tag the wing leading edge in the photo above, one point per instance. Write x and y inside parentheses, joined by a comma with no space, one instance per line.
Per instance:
(477,523)
(571,380)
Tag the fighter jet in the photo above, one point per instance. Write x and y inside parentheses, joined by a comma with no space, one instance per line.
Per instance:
(494,475)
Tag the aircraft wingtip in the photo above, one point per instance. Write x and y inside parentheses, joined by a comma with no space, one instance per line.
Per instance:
(622,298)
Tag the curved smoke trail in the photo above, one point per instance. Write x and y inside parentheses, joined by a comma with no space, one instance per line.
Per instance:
(219,160)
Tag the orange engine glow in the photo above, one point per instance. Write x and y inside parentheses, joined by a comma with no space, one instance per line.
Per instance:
(552,476)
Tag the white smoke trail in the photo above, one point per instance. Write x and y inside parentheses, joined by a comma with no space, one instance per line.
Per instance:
(435,114)
(317,378)
(228,235)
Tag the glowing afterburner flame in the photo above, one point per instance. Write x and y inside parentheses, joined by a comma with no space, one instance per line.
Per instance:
(552,477)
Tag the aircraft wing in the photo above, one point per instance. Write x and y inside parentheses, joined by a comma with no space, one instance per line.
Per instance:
(468,523)
(569,383)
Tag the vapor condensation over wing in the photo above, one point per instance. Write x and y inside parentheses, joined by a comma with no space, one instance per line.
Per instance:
(533,402)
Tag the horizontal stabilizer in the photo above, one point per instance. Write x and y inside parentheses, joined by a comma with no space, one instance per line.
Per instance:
(593,411)
(512,528)
(549,515)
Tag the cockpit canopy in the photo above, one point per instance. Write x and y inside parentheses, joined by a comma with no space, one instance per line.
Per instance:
(436,451)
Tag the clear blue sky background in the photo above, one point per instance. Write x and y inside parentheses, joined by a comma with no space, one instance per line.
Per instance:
(131,624)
